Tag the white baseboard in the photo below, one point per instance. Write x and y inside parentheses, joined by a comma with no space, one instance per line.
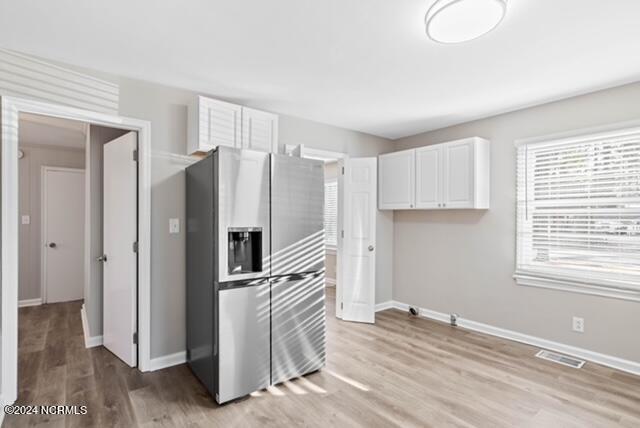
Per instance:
(389,304)
(89,341)
(163,362)
(628,366)
(330,282)
(29,302)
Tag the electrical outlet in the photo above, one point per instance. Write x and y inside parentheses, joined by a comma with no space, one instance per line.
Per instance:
(174,225)
(26,219)
(578,324)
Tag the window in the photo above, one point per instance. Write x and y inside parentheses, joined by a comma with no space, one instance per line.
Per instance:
(578,214)
(331,214)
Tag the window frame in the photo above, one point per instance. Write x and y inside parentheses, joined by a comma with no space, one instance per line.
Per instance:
(554,280)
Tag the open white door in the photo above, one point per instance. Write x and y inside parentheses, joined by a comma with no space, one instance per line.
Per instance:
(63,234)
(357,195)
(120,238)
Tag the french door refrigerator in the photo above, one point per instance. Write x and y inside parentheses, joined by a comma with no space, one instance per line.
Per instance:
(255,270)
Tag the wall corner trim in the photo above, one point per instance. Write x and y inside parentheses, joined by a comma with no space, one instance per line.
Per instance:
(29,302)
(89,341)
(611,361)
(170,360)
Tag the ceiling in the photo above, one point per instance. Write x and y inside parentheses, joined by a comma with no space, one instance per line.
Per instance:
(36,130)
(360,64)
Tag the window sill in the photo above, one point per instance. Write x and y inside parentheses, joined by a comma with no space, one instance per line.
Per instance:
(532,280)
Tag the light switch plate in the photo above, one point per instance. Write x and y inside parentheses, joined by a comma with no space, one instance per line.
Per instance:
(174,225)
(26,219)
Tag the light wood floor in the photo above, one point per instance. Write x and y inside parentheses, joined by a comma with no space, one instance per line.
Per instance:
(402,372)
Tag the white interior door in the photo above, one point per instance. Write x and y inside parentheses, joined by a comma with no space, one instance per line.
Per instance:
(120,235)
(357,239)
(63,234)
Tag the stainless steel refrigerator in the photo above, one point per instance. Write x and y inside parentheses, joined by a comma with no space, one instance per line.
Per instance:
(255,270)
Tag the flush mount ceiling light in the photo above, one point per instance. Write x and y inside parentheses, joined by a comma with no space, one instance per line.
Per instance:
(456,21)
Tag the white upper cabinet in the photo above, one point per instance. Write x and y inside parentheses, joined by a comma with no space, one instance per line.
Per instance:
(396,180)
(428,173)
(214,123)
(458,175)
(259,130)
(453,175)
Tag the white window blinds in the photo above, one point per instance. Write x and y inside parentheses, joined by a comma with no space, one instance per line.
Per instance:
(331,213)
(579,213)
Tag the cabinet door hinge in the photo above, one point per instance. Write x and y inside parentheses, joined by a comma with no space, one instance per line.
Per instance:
(135,155)
(135,247)
(135,338)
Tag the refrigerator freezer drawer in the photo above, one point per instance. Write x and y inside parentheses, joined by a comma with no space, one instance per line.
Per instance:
(298,326)
(243,341)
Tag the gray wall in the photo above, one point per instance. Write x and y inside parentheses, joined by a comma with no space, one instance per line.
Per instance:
(30,246)
(166,108)
(98,137)
(463,261)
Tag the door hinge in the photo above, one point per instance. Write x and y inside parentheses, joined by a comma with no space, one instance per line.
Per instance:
(135,338)
(135,247)
(135,155)
(341,305)
(342,233)
(342,170)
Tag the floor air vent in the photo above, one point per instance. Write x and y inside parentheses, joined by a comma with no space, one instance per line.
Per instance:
(561,359)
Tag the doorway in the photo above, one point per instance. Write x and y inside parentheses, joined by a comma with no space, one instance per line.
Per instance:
(12,110)
(350,231)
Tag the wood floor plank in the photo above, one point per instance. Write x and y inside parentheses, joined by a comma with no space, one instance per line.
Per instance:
(401,372)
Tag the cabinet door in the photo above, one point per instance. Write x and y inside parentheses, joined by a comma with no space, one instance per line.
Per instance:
(428,177)
(219,124)
(396,180)
(458,175)
(259,130)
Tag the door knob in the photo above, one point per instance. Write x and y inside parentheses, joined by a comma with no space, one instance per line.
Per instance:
(370,247)
(102,258)
(52,245)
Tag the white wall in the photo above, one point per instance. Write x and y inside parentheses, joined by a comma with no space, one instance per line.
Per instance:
(30,244)
(463,261)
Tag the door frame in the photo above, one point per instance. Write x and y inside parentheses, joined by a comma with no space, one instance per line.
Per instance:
(43,224)
(11,108)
